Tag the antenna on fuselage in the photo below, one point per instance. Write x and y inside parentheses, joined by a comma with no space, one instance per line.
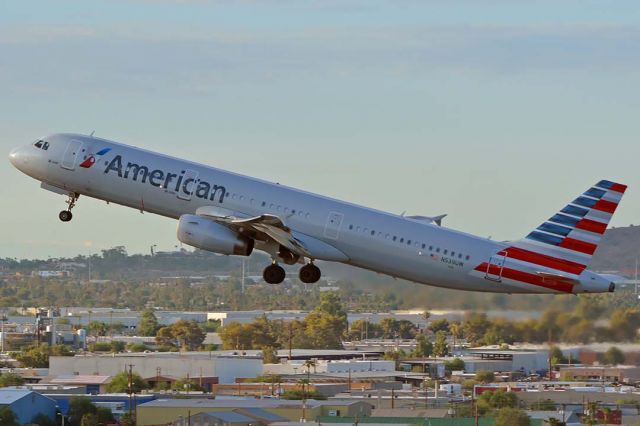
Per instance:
(92,132)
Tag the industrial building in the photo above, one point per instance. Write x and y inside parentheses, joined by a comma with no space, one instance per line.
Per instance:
(27,404)
(163,411)
(226,368)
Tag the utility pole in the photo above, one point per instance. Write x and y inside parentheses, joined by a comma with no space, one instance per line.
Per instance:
(130,389)
(243,262)
(290,338)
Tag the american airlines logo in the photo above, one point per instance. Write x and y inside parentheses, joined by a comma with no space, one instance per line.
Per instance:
(167,180)
(91,159)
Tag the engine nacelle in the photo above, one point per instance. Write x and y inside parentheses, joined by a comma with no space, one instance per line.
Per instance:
(208,235)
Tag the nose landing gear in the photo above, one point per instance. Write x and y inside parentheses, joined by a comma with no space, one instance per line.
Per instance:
(66,215)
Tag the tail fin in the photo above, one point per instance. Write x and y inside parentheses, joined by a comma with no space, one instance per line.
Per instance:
(569,238)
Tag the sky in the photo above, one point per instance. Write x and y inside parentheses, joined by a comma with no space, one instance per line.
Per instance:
(495,112)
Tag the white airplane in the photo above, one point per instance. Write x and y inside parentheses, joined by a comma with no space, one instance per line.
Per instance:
(231,214)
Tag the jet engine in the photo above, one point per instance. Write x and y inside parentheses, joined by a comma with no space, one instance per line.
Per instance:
(208,235)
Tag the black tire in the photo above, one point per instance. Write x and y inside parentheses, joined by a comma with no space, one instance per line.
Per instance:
(65,215)
(309,274)
(274,274)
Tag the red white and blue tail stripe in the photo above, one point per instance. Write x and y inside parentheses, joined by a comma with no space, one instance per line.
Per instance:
(568,239)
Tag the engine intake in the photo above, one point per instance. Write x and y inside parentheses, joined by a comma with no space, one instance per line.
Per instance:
(208,235)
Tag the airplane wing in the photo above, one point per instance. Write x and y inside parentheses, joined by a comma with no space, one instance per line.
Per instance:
(273,227)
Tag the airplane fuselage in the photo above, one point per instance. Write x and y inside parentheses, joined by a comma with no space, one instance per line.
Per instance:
(371,239)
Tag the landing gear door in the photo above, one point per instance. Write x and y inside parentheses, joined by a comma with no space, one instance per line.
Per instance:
(188,185)
(495,267)
(71,154)
(332,227)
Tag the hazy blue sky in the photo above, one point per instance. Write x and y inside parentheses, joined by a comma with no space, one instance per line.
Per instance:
(496,112)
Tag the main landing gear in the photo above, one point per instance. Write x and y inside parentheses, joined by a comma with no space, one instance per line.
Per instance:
(309,273)
(65,215)
(275,274)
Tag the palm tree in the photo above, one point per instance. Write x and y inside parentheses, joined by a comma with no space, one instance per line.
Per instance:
(455,328)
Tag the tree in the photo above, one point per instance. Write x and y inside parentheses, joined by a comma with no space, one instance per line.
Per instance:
(10,379)
(484,376)
(120,383)
(43,420)
(556,356)
(148,325)
(456,364)
(185,334)
(7,417)
(270,355)
(440,347)
(499,399)
(423,347)
(455,328)
(79,407)
(35,356)
(512,417)
(104,416)
(439,325)
(188,334)
(89,419)
(187,385)
(613,356)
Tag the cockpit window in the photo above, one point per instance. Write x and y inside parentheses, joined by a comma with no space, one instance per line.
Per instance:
(42,145)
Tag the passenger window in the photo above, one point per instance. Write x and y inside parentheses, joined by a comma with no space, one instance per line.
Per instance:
(445,251)
(459,255)
(394,238)
(437,249)
(293,211)
(423,246)
(350,226)
(453,254)
(264,203)
(466,257)
(408,242)
(402,240)
(373,232)
(430,248)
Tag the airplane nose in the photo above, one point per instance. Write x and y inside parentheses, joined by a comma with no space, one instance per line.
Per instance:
(14,156)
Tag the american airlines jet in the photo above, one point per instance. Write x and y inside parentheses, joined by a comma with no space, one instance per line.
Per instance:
(231,214)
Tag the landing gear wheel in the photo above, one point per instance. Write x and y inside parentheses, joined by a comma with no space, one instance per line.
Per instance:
(309,273)
(65,215)
(273,274)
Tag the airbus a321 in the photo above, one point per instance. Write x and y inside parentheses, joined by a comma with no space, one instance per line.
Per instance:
(231,214)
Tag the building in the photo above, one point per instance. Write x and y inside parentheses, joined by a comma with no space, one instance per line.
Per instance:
(239,417)
(93,384)
(619,374)
(227,368)
(163,411)
(27,404)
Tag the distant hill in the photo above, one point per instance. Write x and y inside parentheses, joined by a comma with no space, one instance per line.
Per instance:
(618,251)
